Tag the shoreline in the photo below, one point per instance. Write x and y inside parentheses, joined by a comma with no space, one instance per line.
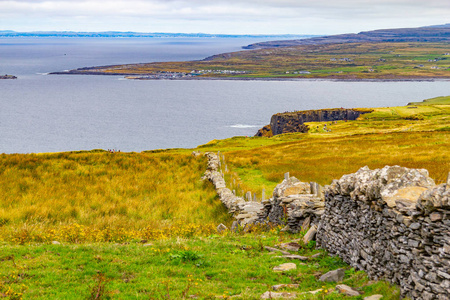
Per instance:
(343,79)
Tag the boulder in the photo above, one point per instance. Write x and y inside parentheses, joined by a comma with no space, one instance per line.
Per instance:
(333,276)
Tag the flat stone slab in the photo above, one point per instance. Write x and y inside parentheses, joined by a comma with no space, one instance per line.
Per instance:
(272,249)
(310,235)
(285,267)
(347,290)
(373,297)
(284,286)
(278,295)
(291,246)
(292,256)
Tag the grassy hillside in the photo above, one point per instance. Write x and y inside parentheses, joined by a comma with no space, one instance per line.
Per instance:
(142,225)
(345,61)
(411,136)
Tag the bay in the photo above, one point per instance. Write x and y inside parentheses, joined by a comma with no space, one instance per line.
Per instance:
(50,113)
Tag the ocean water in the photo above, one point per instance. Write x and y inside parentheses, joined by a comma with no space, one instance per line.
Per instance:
(50,113)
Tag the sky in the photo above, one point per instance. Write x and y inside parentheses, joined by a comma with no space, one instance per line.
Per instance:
(221,16)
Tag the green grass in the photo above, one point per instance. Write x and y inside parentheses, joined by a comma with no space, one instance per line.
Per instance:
(171,269)
(444,100)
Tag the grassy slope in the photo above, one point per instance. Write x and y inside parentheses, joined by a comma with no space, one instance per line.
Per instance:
(84,197)
(368,61)
(417,137)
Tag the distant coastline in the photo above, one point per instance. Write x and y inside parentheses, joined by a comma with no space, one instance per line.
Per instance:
(120,34)
(133,76)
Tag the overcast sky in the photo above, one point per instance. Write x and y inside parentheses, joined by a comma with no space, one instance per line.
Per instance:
(222,16)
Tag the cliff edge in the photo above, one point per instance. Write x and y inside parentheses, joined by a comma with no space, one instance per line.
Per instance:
(290,122)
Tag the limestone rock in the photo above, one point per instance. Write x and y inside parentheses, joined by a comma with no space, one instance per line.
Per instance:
(221,228)
(285,267)
(290,246)
(298,257)
(272,249)
(345,289)
(333,276)
(314,292)
(385,183)
(373,297)
(310,235)
(284,286)
(56,243)
(278,295)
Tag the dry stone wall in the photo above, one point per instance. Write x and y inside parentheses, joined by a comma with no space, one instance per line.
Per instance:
(244,212)
(393,223)
(296,204)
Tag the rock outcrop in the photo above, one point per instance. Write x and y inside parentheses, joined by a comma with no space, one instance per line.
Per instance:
(294,121)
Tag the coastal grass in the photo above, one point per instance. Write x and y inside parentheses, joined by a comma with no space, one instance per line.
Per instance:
(213,267)
(99,195)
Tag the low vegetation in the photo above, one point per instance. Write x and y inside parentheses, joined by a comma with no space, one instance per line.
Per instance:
(213,267)
(103,225)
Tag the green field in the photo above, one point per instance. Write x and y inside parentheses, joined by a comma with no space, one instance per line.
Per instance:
(142,225)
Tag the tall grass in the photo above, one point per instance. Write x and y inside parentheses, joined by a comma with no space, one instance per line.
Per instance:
(323,160)
(102,190)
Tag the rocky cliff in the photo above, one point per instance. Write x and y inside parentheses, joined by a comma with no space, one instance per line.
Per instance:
(294,121)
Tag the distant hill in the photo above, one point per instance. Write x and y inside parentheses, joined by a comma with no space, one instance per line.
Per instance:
(129,34)
(436,33)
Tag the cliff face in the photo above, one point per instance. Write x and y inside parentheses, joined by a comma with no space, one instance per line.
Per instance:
(294,122)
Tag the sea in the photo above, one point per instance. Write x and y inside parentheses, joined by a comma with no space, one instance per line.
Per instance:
(53,113)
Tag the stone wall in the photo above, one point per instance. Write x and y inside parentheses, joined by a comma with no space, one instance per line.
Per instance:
(296,204)
(244,212)
(393,223)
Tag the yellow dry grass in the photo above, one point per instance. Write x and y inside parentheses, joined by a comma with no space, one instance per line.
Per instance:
(102,190)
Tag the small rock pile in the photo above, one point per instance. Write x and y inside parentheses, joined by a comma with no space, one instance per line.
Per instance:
(245,212)
(393,223)
(297,204)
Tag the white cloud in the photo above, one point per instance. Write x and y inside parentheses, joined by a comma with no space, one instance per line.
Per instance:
(232,16)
